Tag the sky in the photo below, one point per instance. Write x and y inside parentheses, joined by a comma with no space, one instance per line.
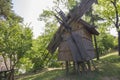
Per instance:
(30,10)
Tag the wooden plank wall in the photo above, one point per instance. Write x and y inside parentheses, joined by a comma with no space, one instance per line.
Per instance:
(65,53)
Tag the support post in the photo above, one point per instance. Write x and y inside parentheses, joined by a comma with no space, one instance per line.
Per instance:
(89,65)
(96,48)
(119,43)
(67,68)
(73,65)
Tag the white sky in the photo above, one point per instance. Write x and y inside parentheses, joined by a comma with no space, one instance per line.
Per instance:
(30,11)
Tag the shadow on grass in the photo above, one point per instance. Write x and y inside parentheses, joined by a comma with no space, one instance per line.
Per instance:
(108,69)
(109,66)
(49,75)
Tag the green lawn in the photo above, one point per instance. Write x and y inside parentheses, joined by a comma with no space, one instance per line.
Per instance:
(108,68)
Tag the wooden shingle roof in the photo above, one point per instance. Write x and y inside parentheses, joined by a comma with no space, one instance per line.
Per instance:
(89,27)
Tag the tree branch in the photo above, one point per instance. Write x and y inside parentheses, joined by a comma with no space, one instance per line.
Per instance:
(5,61)
(116,13)
(112,21)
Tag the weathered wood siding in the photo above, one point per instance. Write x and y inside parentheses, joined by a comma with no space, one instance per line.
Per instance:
(67,50)
(64,52)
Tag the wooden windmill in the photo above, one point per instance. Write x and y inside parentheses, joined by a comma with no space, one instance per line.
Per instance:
(74,36)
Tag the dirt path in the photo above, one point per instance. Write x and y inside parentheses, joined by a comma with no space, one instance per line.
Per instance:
(38,72)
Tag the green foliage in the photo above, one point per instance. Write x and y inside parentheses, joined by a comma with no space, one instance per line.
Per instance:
(6,11)
(38,64)
(24,65)
(5,7)
(107,68)
(116,43)
(65,4)
(54,63)
(15,41)
(40,55)
(46,15)
(39,52)
(106,10)
(110,11)
(71,3)
(103,15)
(105,42)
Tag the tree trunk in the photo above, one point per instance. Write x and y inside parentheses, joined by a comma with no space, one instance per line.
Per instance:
(119,43)
(5,62)
(96,48)
(10,75)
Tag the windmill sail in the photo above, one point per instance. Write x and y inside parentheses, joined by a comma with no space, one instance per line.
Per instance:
(75,15)
(82,8)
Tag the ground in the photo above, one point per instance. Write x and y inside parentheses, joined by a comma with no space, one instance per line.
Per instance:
(108,68)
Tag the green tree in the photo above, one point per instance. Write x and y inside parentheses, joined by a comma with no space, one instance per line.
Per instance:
(40,44)
(105,43)
(6,11)
(15,41)
(40,56)
(110,11)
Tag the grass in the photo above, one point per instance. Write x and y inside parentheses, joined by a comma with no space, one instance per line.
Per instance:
(108,68)
(47,75)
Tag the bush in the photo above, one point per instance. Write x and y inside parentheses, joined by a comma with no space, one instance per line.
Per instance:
(54,63)
(106,43)
(38,64)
